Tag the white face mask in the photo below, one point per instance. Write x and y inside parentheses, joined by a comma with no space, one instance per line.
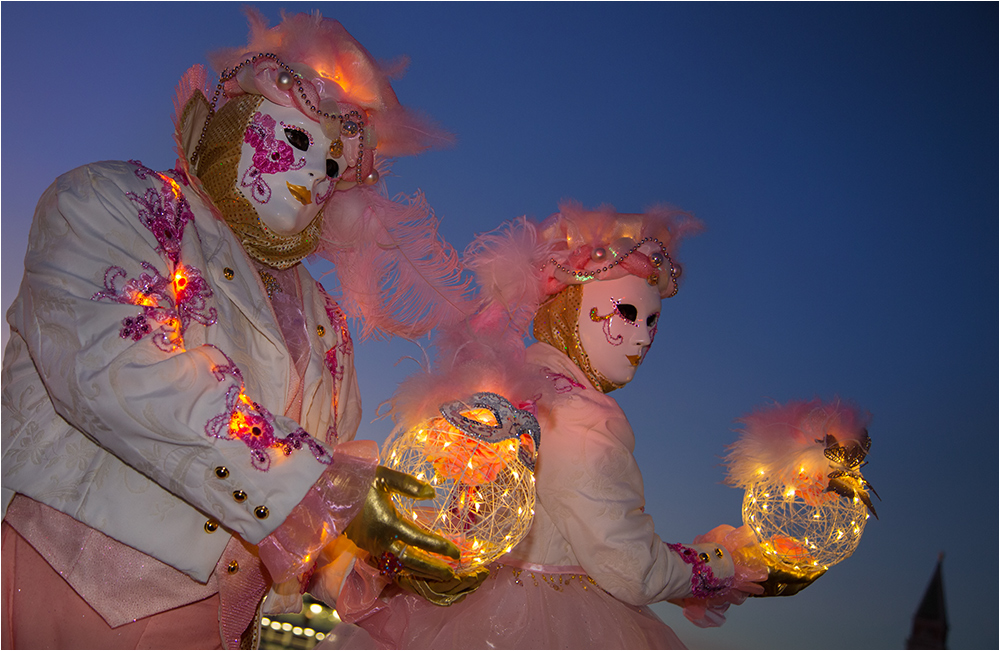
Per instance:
(617,324)
(285,168)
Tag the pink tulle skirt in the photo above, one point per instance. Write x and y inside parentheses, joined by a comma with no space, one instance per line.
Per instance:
(513,609)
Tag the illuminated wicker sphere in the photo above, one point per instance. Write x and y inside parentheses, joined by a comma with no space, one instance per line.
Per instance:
(485,492)
(804,530)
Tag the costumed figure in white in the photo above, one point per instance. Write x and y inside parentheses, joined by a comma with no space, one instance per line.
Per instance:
(179,395)
(592,561)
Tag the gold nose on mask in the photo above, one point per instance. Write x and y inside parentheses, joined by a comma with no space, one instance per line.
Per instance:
(300,192)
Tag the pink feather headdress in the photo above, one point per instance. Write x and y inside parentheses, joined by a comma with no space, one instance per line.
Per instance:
(485,352)
(334,67)
(395,273)
(603,244)
(520,264)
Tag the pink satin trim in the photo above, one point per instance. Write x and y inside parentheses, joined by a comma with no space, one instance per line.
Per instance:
(119,582)
(325,511)
(538,567)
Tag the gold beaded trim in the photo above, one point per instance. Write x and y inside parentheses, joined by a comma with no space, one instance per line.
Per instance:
(270,283)
(555,581)
(556,324)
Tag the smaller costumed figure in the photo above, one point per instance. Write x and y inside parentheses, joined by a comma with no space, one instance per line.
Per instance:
(592,561)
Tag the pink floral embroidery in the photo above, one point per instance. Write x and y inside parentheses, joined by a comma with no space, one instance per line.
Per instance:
(563,383)
(164,212)
(220,372)
(141,171)
(134,328)
(172,303)
(270,157)
(338,321)
(703,581)
(251,423)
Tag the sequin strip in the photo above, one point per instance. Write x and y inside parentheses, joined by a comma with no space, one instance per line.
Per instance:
(703,581)
(555,581)
(338,321)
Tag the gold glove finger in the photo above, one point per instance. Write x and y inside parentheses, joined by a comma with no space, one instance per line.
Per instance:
(424,540)
(459,583)
(444,593)
(421,565)
(781,583)
(421,588)
(399,482)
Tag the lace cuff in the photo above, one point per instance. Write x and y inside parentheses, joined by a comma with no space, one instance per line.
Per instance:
(323,514)
(706,608)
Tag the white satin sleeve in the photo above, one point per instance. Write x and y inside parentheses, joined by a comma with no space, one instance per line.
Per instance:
(591,488)
(163,412)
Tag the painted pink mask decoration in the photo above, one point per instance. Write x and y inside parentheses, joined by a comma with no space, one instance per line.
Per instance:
(270,157)
(617,324)
(286,168)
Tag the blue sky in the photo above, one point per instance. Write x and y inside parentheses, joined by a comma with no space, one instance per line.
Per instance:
(842,156)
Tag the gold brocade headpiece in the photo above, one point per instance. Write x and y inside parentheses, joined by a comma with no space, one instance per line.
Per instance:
(556,325)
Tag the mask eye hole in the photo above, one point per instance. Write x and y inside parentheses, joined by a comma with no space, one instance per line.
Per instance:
(627,311)
(651,320)
(332,168)
(297,138)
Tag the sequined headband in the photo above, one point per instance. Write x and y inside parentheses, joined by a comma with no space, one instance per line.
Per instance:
(599,254)
(351,123)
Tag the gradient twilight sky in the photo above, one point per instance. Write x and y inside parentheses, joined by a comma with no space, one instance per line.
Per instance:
(843,157)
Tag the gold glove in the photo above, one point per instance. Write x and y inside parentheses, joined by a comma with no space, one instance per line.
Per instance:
(782,582)
(444,593)
(396,544)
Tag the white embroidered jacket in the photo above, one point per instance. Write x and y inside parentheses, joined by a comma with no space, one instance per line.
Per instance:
(146,374)
(589,509)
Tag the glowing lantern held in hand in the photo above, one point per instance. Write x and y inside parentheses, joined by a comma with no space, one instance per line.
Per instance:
(480,458)
(805,499)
